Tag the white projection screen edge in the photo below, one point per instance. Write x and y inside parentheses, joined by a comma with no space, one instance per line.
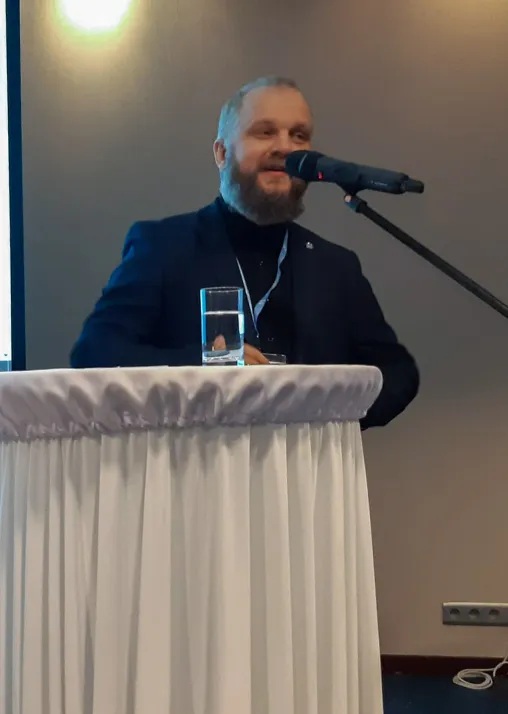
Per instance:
(12,302)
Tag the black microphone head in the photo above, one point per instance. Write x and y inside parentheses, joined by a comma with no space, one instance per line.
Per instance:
(413,186)
(303,165)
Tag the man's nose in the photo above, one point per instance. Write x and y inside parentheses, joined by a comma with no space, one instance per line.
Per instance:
(283,143)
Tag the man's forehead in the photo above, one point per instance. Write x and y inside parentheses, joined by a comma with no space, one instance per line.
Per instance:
(274,103)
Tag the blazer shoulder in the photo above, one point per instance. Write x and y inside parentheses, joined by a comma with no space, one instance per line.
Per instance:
(161,234)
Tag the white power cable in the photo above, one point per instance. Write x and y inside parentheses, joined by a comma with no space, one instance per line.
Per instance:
(482,678)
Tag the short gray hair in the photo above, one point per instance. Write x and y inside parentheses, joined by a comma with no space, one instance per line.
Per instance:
(231,109)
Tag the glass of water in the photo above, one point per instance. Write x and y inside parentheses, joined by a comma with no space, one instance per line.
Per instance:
(222,326)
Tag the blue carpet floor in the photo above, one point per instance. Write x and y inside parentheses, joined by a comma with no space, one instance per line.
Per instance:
(438,695)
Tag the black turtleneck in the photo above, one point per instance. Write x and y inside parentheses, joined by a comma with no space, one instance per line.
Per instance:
(257,249)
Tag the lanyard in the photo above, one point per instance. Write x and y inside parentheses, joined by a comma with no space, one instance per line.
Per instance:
(256,310)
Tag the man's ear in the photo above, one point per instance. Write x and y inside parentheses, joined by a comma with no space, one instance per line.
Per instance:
(219,152)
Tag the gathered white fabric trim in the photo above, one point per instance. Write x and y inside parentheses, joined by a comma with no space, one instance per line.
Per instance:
(63,403)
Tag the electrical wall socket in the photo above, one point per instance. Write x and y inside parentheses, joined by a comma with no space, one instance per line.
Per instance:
(479,614)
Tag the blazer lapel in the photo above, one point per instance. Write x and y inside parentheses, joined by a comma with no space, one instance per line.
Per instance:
(305,290)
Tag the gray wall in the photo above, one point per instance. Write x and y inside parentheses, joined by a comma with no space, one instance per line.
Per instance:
(120,130)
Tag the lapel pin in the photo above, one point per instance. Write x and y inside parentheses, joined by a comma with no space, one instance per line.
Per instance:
(309,246)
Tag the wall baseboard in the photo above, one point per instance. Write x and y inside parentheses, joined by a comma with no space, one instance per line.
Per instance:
(436,666)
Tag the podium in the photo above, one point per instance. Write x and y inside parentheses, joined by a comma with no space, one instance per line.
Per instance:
(187,541)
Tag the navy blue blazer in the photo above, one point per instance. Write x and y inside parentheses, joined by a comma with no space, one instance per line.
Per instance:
(149,313)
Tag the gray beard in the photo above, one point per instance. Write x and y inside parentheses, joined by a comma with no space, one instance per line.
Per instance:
(242,193)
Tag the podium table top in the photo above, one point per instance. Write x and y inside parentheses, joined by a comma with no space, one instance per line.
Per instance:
(66,403)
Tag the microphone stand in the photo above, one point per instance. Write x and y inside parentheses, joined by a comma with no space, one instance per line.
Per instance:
(358,205)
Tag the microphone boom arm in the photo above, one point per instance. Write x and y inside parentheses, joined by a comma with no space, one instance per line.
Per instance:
(358,205)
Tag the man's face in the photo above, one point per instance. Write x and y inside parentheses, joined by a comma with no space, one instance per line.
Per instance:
(272,123)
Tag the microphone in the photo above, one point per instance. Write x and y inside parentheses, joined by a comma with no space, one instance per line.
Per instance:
(313,166)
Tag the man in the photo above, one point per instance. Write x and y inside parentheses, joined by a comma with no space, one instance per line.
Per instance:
(319,307)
